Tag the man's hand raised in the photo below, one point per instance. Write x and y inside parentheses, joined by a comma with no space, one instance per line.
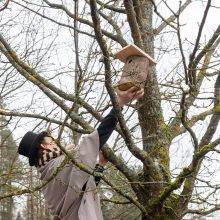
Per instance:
(131,94)
(102,159)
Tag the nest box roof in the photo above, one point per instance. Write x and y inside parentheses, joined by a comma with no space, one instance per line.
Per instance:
(132,50)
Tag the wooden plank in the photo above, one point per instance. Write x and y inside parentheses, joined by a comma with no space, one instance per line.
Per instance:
(133,50)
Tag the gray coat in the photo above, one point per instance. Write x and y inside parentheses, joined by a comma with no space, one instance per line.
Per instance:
(63,194)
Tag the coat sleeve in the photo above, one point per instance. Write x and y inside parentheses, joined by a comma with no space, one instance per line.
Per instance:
(88,149)
(89,145)
(106,128)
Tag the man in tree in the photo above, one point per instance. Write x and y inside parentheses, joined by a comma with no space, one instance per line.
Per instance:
(71,193)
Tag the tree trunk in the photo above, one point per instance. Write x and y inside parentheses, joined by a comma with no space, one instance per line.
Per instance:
(150,116)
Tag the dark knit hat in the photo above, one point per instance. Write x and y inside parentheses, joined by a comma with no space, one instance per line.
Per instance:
(29,145)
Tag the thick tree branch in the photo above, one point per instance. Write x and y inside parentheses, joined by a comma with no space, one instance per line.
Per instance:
(215,118)
(54,21)
(192,65)
(208,47)
(84,21)
(172,18)
(45,118)
(114,24)
(138,11)
(185,174)
(114,187)
(184,121)
(5,5)
(128,139)
(82,167)
(194,119)
(205,148)
(116,201)
(119,164)
(204,212)
(23,70)
(111,7)
(36,188)
(166,21)
(116,28)
(32,73)
(175,124)
(132,20)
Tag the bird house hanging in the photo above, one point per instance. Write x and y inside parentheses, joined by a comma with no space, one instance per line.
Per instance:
(136,68)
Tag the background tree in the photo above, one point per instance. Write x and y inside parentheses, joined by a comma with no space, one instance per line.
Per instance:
(8,168)
(57,71)
(18,217)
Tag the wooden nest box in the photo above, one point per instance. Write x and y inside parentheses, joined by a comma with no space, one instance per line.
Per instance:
(137,64)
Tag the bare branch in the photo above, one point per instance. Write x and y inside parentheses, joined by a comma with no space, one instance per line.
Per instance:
(83,21)
(208,46)
(5,5)
(24,69)
(192,63)
(116,27)
(181,51)
(204,212)
(215,118)
(172,18)
(54,21)
(166,21)
(175,125)
(185,123)
(45,118)
(111,7)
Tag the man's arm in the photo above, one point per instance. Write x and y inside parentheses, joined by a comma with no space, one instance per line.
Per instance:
(106,128)
(108,124)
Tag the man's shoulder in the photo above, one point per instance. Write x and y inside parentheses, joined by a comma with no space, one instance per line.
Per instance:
(52,164)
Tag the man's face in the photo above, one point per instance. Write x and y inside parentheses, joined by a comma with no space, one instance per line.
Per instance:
(48,143)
